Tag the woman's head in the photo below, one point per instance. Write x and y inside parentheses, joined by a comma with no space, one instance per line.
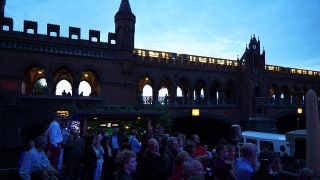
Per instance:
(126,161)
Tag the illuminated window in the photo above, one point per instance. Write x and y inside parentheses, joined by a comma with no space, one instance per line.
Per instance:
(211,60)
(293,70)
(153,54)
(229,63)
(271,68)
(310,73)
(202,59)
(191,58)
(221,62)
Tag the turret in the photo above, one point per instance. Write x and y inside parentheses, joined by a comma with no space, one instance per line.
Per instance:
(251,57)
(125,27)
(2,5)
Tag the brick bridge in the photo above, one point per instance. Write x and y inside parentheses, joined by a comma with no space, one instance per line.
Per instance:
(244,91)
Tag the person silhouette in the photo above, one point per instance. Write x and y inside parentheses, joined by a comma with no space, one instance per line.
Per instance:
(64,93)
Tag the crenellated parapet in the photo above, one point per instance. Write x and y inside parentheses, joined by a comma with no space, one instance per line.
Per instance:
(53,28)
(94,34)
(6,24)
(53,31)
(30,25)
(74,31)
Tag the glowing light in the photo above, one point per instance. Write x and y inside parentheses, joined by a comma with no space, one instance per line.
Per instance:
(299,110)
(39,72)
(139,117)
(95,118)
(63,113)
(195,112)
(147,79)
(103,125)
(86,75)
(127,127)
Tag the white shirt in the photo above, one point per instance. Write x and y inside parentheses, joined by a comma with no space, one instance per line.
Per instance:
(33,161)
(54,133)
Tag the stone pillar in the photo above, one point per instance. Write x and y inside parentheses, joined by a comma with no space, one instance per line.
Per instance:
(191,97)
(75,88)
(50,88)
(173,96)
(313,132)
(206,92)
(155,94)
(277,98)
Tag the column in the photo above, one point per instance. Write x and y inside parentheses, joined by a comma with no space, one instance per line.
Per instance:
(155,94)
(173,96)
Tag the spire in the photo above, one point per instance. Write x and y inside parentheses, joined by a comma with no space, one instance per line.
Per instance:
(125,7)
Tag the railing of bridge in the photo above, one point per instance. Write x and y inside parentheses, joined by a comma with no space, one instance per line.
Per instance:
(183,58)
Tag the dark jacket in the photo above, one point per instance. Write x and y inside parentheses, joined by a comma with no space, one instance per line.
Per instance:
(168,159)
(152,167)
(90,162)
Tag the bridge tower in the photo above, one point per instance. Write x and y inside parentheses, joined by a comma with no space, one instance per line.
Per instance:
(125,27)
(2,6)
(254,92)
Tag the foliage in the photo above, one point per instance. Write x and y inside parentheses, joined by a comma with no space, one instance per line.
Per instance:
(40,88)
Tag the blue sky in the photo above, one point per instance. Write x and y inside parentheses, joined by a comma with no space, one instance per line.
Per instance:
(288,29)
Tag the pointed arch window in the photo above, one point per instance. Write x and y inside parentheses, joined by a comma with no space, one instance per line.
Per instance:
(63,88)
(147,93)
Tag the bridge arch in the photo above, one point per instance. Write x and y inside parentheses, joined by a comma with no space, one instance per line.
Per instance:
(289,120)
(215,92)
(34,81)
(200,92)
(145,83)
(165,90)
(210,127)
(184,86)
(92,79)
(230,92)
(63,74)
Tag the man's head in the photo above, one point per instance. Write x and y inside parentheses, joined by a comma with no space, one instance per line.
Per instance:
(195,138)
(193,167)
(172,144)
(249,151)
(153,145)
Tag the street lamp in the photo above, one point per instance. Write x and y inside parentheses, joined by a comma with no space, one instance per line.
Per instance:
(299,111)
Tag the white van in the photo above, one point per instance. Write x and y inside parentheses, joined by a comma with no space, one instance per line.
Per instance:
(266,141)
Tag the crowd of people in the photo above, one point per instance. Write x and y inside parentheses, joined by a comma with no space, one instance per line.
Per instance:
(59,154)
